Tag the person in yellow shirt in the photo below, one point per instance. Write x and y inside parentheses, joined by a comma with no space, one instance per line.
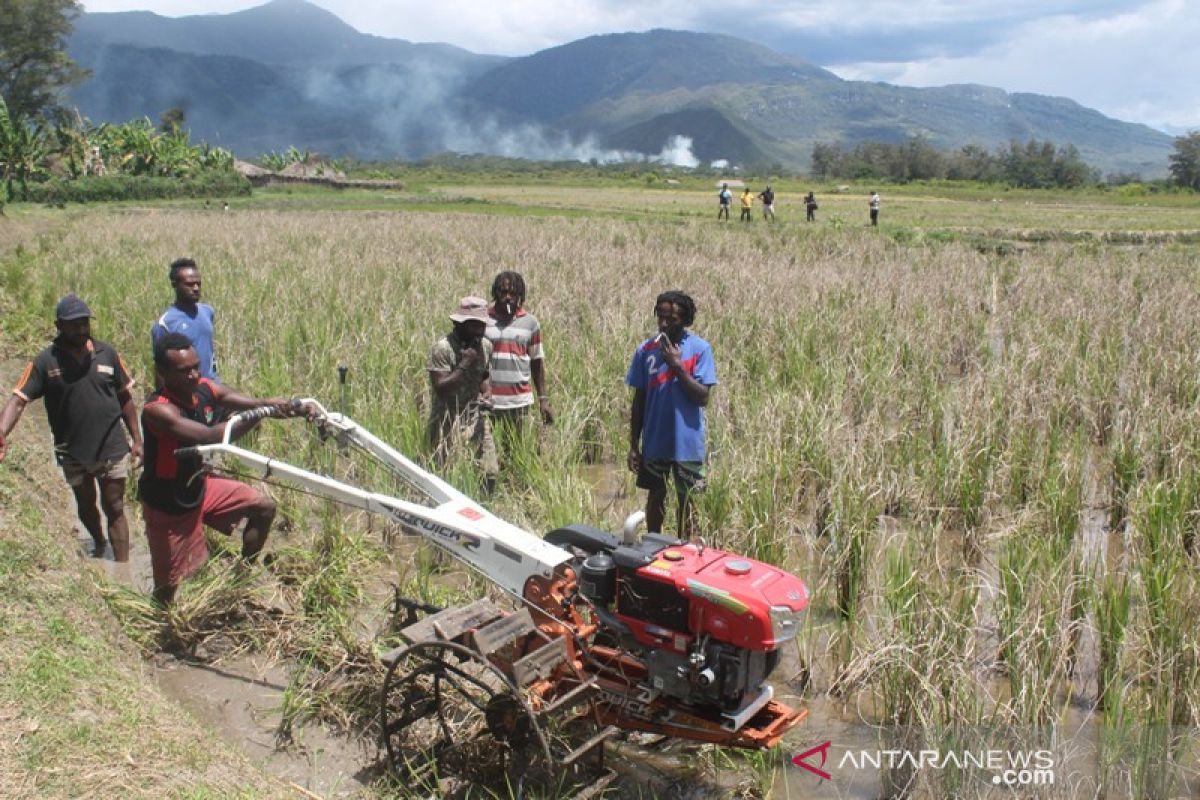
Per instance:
(747,203)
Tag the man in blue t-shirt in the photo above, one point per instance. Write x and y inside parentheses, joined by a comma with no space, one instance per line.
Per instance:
(672,375)
(187,315)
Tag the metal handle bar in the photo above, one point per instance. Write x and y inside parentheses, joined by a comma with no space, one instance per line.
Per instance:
(259,412)
(262,412)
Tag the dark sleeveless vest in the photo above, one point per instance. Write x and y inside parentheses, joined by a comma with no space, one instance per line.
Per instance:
(169,484)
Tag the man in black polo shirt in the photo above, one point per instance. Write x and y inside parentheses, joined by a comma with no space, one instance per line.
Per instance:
(85,386)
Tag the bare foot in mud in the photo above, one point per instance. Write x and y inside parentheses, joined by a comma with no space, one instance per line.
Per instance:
(99,548)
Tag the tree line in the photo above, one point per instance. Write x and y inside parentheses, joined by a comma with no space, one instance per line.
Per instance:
(1032,165)
(31,151)
(1028,165)
(1185,161)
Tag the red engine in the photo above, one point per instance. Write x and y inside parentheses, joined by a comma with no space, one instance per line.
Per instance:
(705,591)
(706,624)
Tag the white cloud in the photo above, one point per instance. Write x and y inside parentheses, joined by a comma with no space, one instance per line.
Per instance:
(1134,66)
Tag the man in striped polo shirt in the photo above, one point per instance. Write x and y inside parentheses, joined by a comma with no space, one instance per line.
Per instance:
(517,365)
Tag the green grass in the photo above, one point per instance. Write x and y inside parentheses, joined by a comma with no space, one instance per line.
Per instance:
(986,217)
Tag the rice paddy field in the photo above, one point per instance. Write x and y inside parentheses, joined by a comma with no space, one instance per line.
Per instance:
(974,431)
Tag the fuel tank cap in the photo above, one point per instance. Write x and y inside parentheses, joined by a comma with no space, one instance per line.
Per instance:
(673,555)
(737,567)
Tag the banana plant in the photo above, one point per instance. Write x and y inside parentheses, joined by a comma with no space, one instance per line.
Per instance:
(77,143)
(214,157)
(138,148)
(23,151)
(273,161)
(129,147)
(278,161)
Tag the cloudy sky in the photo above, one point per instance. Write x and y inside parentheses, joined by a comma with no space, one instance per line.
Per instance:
(1136,60)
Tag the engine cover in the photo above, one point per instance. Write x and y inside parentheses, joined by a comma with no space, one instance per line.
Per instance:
(708,623)
(684,591)
(705,624)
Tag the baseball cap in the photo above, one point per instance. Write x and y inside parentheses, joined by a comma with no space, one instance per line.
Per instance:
(470,308)
(71,307)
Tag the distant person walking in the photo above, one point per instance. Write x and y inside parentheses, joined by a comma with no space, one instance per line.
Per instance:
(810,208)
(187,315)
(767,196)
(724,200)
(86,390)
(874,208)
(747,204)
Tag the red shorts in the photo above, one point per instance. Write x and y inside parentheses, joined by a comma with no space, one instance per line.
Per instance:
(177,548)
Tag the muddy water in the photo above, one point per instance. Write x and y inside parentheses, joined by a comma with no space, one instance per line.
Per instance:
(610,489)
(240,699)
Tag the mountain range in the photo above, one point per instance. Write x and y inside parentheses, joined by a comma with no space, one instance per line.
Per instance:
(290,73)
